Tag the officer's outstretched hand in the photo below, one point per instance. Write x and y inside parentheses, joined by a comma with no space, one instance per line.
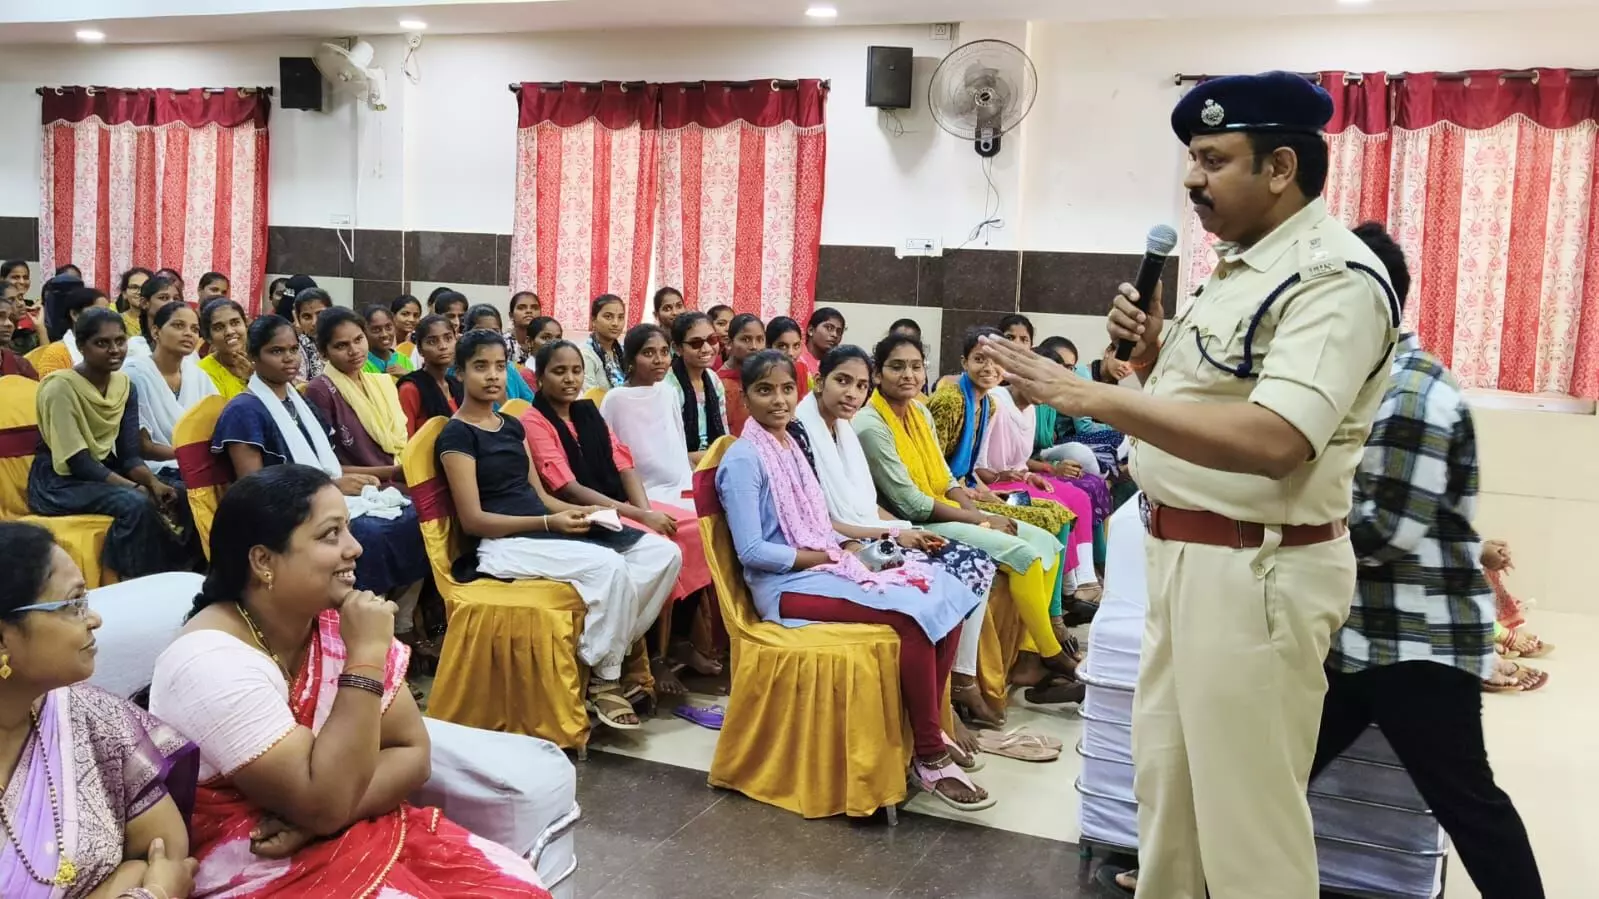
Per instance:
(1039,379)
(1143,328)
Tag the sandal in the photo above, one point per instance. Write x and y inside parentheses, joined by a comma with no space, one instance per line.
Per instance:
(1519,679)
(961,699)
(706,716)
(968,762)
(1057,691)
(928,777)
(1518,643)
(1043,740)
(607,703)
(1021,747)
(1106,878)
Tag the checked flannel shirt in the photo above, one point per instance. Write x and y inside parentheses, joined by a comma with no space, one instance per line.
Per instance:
(1421,593)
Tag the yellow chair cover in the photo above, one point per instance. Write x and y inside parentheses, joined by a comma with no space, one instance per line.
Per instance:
(205,476)
(814,722)
(82,536)
(509,660)
(594,395)
(34,355)
(1002,641)
(515,408)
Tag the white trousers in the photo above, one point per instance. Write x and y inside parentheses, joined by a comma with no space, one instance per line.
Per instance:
(971,635)
(1074,452)
(623,591)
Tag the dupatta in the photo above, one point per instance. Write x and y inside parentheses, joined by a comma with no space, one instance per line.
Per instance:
(376,403)
(1010,436)
(159,408)
(917,447)
(316,452)
(841,468)
(646,421)
(962,421)
(74,416)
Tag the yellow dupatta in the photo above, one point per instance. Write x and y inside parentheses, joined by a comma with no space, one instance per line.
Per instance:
(228,383)
(918,448)
(74,417)
(376,404)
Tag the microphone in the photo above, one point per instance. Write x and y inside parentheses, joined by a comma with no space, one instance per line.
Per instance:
(1158,246)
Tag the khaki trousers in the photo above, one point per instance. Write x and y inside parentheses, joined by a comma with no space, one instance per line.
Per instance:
(1229,700)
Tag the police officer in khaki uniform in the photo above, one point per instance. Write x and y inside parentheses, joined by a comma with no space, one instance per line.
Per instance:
(1257,401)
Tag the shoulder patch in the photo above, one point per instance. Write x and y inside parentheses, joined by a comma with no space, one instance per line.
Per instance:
(1317,259)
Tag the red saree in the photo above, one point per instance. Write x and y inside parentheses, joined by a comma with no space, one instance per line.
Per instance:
(409,852)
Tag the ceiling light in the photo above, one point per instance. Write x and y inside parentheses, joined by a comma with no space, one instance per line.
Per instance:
(413,24)
(89,35)
(820,11)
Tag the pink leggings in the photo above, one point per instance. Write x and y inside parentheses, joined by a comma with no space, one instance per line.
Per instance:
(924,666)
(1080,540)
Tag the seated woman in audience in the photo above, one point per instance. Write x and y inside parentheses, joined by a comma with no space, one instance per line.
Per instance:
(543,330)
(212,285)
(63,305)
(99,789)
(1005,464)
(157,291)
(278,299)
(783,334)
(746,336)
(487,318)
(293,684)
(602,352)
(169,382)
(28,315)
(845,381)
(11,361)
(645,413)
(407,311)
(1017,328)
(525,307)
(721,318)
(433,390)
(799,571)
(223,325)
(624,577)
(696,388)
(1080,439)
(382,354)
(130,298)
(171,274)
(271,424)
(88,460)
(668,306)
(914,482)
(581,462)
(308,305)
(823,332)
(360,410)
(963,417)
(452,304)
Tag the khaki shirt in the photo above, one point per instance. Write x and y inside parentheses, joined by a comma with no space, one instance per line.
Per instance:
(1315,352)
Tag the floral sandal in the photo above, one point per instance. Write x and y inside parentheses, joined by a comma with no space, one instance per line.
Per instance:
(928,777)
(1516,643)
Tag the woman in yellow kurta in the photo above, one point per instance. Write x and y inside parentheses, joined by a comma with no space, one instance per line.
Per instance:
(223,326)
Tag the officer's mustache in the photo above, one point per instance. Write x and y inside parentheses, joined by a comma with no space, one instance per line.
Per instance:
(1199,199)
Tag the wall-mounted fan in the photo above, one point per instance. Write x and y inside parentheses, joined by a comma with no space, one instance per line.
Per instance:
(352,71)
(981,91)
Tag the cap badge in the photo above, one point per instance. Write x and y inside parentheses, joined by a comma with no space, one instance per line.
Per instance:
(1213,114)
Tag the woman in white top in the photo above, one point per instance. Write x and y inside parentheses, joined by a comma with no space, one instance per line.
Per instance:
(169,381)
(645,416)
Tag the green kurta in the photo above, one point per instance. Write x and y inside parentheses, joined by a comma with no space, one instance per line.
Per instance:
(897,493)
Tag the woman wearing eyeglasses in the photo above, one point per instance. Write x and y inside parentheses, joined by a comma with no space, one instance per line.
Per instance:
(84,775)
(698,390)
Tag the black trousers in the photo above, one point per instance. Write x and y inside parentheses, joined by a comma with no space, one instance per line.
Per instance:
(1432,716)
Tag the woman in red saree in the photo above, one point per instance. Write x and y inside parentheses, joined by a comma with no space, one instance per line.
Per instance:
(291,683)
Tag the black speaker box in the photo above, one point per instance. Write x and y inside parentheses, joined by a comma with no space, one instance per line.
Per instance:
(888,77)
(300,84)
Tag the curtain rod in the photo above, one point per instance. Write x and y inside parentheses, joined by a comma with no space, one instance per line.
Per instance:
(777,84)
(1356,77)
(95,88)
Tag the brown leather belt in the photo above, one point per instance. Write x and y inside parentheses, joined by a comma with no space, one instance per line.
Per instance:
(1212,529)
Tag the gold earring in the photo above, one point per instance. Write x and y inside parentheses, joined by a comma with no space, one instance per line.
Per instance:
(5,665)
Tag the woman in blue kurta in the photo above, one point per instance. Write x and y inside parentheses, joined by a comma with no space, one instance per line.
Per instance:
(799,572)
(270,424)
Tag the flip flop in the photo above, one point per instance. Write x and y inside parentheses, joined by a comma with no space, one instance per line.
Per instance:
(706,716)
(1021,747)
(928,779)
(1043,740)
(972,765)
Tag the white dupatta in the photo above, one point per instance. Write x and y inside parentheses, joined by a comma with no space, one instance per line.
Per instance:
(648,421)
(842,469)
(318,453)
(159,409)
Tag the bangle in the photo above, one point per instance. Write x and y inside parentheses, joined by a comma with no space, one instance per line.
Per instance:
(546,524)
(141,893)
(359,682)
(378,668)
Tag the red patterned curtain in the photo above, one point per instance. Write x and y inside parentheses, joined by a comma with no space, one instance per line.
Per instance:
(585,191)
(159,178)
(1488,183)
(742,169)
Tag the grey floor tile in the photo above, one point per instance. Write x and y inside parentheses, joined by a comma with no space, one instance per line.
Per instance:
(982,863)
(629,808)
